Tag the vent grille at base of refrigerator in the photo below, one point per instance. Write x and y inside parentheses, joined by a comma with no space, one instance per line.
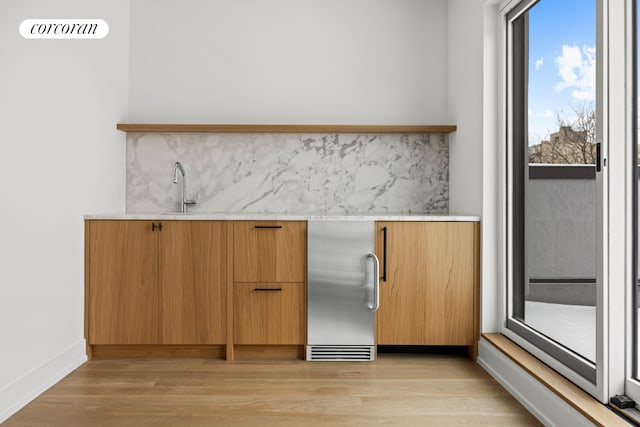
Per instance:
(341,353)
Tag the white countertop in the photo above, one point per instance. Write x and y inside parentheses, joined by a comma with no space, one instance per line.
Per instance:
(277,217)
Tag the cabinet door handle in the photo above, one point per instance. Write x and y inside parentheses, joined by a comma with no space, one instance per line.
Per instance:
(153,226)
(268,226)
(384,254)
(267,289)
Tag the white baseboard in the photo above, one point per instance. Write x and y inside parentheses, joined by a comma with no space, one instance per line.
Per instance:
(544,404)
(20,392)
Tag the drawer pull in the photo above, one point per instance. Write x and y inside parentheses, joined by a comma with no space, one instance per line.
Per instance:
(268,226)
(267,289)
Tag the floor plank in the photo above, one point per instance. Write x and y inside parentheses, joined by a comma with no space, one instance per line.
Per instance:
(397,389)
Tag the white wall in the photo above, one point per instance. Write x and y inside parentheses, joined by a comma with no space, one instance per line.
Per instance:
(469,162)
(61,158)
(226,61)
(465,86)
(492,155)
(289,61)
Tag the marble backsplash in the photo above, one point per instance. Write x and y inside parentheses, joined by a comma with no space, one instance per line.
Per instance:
(290,173)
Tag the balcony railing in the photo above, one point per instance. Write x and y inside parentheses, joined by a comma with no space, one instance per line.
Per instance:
(560,234)
(560,171)
(569,291)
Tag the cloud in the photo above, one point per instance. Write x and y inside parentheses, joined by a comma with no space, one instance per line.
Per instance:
(539,63)
(546,114)
(582,95)
(577,69)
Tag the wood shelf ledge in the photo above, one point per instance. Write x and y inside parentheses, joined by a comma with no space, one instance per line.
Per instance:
(591,408)
(247,128)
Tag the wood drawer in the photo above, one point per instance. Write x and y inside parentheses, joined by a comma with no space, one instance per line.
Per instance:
(269,313)
(269,251)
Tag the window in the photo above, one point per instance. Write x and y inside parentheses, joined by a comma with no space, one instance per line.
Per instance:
(635,165)
(572,189)
(553,199)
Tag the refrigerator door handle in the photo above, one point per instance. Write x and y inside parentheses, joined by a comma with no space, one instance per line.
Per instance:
(376,283)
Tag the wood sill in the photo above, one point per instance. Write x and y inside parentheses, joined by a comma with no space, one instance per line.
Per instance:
(592,409)
(246,128)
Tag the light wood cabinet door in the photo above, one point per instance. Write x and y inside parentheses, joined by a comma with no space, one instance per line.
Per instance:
(269,313)
(192,280)
(269,251)
(428,295)
(123,282)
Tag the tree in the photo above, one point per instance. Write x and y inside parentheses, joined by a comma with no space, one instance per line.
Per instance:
(574,143)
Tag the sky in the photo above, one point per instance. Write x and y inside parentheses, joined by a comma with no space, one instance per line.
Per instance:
(562,62)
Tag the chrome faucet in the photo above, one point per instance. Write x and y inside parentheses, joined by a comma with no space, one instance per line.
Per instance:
(178,167)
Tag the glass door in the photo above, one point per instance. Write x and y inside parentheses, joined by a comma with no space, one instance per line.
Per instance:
(554,184)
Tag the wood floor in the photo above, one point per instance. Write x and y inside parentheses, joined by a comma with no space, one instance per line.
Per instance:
(397,389)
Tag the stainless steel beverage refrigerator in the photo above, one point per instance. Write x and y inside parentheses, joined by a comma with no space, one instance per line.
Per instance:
(342,290)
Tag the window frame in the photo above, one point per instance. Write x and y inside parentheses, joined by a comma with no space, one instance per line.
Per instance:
(631,352)
(593,378)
